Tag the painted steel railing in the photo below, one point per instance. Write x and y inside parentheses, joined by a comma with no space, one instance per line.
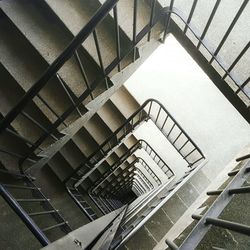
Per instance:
(21,205)
(240,86)
(52,71)
(131,167)
(211,217)
(126,155)
(165,122)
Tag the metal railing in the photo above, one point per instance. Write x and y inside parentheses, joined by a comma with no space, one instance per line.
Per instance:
(52,71)
(106,236)
(150,171)
(110,5)
(211,216)
(140,144)
(82,203)
(35,195)
(149,207)
(237,84)
(106,187)
(170,128)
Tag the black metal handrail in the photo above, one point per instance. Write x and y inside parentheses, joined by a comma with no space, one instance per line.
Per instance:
(138,145)
(38,233)
(154,110)
(164,13)
(70,51)
(6,191)
(149,170)
(84,206)
(128,169)
(238,85)
(211,217)
(105,237)
(108,186)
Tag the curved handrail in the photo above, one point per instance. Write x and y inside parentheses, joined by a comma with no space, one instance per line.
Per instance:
(150,171)
(139,144)
(127,170)
(144,177)
(182,142)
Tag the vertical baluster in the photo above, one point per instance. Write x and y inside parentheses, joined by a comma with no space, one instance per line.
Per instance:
(229,30)
(190,15)
(167,20)
(134,28)
(83,72)
(208,22)
(117,35)
(158,114)
(151,18)
(100,57)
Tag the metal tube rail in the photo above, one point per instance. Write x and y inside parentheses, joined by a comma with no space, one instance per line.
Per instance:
(58,62)
(36,231)
(113,138)
(128,153)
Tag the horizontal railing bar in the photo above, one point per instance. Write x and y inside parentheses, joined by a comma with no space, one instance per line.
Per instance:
(37,232)
(19,187)
(233,173)
(171,244)
(214,192)
(54,226)
(196,216)
(32,200)
(240,190)
(236,227)
(43,213)
(243,157)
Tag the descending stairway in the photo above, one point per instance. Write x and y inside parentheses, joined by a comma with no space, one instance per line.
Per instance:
(66,119)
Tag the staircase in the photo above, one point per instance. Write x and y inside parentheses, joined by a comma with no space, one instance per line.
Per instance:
(67,123)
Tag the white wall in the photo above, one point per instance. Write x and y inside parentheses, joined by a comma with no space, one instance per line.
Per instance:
(171,76)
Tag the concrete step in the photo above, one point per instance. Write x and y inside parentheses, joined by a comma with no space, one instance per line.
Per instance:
(112,159)
(162,221)
(75,15)
(97,129)
(73,154)
(124,101)
(10,93)
(34,20)
(85,142)
(60,166)
(111,115)
(121,150)
(27,68)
